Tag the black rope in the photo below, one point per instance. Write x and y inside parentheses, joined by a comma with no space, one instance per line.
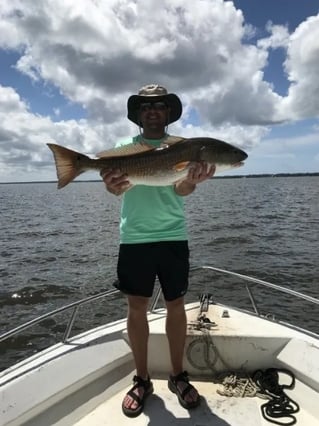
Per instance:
(279,404)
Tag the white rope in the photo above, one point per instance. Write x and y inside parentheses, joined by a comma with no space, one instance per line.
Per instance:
(239,385)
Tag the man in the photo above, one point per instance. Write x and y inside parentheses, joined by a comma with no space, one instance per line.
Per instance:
(153,242)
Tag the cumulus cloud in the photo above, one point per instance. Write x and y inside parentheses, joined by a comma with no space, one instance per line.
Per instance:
(302,67)
(279,37)
(23,138)
(91,50)
(95,53)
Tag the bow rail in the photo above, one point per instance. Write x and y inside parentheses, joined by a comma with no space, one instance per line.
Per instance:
(74,307)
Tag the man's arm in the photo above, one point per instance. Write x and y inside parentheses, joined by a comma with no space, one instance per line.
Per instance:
(196,174)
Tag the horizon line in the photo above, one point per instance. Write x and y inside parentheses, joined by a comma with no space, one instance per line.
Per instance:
(251,175)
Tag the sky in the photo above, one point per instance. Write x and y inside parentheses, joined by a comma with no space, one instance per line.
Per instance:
(245,70)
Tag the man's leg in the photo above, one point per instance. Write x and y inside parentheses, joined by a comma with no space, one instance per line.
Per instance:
(138,332)
(176,333)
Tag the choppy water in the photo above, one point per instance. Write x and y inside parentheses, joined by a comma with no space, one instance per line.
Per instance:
(60,246)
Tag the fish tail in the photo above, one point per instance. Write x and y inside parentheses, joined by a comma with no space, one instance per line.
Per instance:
(67,162)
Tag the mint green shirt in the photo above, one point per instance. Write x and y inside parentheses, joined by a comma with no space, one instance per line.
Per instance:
(151,213)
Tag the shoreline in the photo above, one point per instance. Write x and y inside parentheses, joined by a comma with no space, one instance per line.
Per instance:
(262,175)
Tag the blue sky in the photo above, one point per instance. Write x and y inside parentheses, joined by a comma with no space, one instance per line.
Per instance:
(246,72)
(290,14)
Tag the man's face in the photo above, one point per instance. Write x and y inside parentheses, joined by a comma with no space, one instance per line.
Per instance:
(154,115)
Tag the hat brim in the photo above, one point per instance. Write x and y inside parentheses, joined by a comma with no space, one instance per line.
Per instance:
(172,101)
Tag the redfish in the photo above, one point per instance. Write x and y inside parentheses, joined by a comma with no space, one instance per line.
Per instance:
(145,164)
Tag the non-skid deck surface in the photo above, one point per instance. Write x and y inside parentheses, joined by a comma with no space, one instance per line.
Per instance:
(163,409)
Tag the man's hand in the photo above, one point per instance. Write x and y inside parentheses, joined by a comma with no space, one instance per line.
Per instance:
(115,181)
(198,172)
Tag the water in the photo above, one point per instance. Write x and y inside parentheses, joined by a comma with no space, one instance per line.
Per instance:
(60,246)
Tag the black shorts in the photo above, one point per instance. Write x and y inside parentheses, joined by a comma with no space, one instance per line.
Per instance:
(139,264)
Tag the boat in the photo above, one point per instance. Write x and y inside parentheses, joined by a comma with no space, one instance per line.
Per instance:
(250,367)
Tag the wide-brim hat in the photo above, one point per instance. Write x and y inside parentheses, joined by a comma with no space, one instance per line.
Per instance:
(154,93)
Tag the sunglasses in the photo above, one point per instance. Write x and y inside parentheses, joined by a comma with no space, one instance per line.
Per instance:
(158,106)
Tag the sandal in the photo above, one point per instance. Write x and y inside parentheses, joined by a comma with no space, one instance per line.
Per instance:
(148,389)
(172,386)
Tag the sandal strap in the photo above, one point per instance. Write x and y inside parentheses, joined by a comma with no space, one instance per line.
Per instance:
(181,377)
(139,382)
(133,395)
(186,390)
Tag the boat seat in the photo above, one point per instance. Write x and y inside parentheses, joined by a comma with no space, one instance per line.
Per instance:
(68,369)
(301,357)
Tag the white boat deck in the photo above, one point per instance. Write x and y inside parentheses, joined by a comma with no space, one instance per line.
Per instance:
(83,382)
(162,408)
(238,335)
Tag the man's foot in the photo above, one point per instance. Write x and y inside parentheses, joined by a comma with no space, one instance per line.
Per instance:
(187,395)
(133,402)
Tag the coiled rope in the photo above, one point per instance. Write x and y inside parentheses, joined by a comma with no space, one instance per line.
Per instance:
(238,384)
(279,404)
(262,383)
(210,352)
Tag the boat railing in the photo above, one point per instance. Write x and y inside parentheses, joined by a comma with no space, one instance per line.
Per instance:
(74,307)
(255,281)
(260,282)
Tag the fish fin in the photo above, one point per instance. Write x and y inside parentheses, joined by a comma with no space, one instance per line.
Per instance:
(239,164)
(181,166)
(169,141)
(130,149)
(172,140)
(67,164)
